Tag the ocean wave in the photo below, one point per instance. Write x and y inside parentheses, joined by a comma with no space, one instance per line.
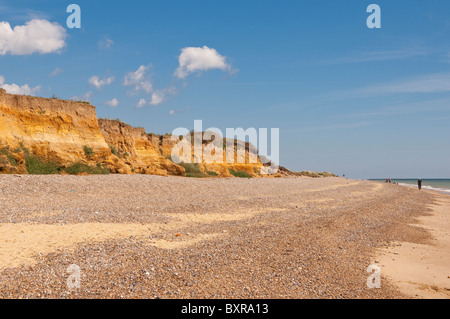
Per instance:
(436,189)
(408,185)
(442,190)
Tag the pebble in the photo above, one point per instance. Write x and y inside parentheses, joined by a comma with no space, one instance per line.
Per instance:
(266,248)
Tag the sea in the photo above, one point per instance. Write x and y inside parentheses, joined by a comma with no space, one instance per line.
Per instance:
(439,185)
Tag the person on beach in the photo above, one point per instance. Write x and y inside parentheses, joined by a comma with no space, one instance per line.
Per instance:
(420,183)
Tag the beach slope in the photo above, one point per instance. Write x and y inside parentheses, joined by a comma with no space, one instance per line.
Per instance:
(138,236)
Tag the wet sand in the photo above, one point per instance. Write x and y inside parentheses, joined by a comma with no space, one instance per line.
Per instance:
(168,237)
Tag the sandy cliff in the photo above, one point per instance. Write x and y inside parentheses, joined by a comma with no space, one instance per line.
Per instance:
(140,151)
(65,133)
(56,130)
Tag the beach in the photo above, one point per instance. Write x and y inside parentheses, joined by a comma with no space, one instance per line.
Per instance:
(136,236)
(422,270)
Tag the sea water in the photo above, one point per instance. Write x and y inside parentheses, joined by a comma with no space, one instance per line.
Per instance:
(440,185)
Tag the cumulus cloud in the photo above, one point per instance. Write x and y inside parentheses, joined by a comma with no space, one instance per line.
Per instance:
(194,59)
(191,60)
(96,82)
(113,103)
(20,90)
(157,98)
(17,89)
(160,96)
(139,79)
(36,36)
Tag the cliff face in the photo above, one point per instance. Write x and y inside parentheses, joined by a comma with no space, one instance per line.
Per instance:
(140,151)
(151,154)
(65,132)
(53,129)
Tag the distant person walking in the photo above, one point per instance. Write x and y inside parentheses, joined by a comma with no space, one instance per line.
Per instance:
(419,183)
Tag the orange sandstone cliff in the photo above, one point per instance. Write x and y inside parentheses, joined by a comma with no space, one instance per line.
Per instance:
(68,134)
(140,151)
(152,154)
(53,129)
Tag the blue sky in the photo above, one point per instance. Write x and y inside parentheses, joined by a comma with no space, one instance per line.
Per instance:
(363,102)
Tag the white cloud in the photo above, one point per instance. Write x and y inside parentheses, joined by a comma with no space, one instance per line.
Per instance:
(194,59)
(17,89)
(56,71)
(95,81)
(113,103)
(36,36)
(141,103)
(20,90)
(158,97)
(139,79)
(171,112)
(85,97)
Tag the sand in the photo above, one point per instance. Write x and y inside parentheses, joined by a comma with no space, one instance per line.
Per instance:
(423,270)
(168,237)
(21,241)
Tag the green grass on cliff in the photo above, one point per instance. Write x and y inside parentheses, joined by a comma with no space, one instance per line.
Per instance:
(88,151)
(241,174)
(192,170)
(7,152)
(81,168)
(114,150)
(39,166)
(4,150)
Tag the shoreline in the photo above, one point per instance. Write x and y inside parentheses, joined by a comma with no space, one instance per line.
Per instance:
(443,191)
(427,189)
(422,270)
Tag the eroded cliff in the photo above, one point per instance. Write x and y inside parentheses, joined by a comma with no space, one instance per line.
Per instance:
(39,135)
